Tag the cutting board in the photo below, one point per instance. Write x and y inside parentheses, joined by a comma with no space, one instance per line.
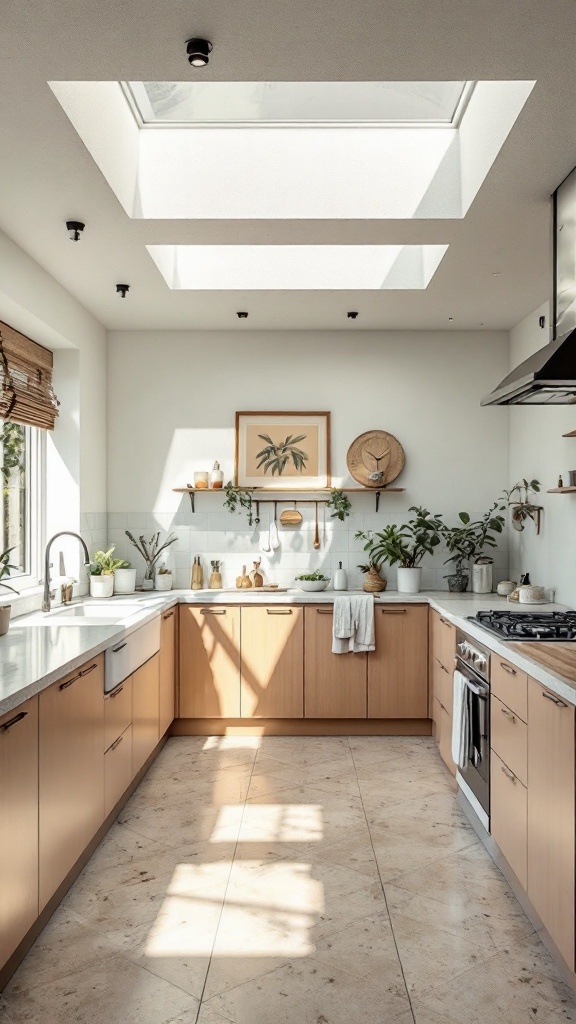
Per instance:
(558,657)
(254,590)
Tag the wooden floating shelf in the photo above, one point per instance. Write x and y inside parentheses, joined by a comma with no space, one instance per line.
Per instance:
(561,490)
(272,495)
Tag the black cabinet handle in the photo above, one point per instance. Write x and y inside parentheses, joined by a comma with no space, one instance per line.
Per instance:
(114,693)
(116,743)
(64,686)
(87,671)
(507,668)
(393,611)
(13,721)
(116,649)
(555,700)
(168,615)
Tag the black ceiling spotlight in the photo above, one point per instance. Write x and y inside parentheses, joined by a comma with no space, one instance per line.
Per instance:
(74,229)
(198,51)
(352,314)
(123,289)
(242,315)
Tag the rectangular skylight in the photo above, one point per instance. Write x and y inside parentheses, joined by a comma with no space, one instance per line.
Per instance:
(299,103)
(296,267)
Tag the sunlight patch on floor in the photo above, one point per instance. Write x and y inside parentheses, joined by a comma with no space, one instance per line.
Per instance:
(267,823)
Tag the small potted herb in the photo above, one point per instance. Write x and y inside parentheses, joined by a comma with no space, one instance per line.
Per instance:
(5,570)
(405,546)
(101,571)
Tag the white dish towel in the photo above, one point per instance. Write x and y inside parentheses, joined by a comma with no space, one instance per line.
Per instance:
(460,726)
(353,624)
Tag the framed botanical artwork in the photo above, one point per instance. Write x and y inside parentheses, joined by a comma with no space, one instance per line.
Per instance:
(282,451)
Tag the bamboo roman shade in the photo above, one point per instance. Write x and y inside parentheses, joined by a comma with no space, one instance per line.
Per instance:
(26,392)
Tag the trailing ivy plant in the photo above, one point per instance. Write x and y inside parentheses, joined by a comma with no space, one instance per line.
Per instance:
(340,503)
(239,499)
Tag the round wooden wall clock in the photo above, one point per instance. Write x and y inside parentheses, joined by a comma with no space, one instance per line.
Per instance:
(375,458)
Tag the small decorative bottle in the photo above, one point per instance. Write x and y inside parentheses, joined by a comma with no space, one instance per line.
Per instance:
(256,576)
(243,582)
(340,578)
(215,576)
(216,477)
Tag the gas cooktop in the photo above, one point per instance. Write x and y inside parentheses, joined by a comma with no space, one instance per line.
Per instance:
(528,625)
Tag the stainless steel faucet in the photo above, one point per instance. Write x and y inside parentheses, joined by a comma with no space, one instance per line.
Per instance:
(48,565)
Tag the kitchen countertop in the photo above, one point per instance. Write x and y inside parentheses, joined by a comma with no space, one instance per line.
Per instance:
(38,650)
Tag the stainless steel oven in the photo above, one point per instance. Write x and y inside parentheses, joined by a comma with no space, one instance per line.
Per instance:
(473,776)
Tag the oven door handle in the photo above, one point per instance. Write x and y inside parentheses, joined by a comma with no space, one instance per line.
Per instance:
(478,690)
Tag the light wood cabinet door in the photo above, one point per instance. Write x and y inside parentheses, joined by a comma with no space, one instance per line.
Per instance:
(167,670)
(509,816)
(443,639)
(18,825)
(272,649)
(509,739)
(209,662)
(117,712)
(71,771)
(117,770)
(510,685)
(145,711)
(551,794)
(334,684)
(398,668)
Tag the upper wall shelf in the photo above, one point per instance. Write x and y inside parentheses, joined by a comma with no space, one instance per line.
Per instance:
(561,490)
(278,496)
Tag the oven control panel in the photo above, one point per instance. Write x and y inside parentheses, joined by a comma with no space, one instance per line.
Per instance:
(473,654)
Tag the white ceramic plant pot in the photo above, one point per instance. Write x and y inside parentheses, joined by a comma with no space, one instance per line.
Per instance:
(409,580)
(163,581)
(124,581)
(5,610)
(482,578)
(101,586)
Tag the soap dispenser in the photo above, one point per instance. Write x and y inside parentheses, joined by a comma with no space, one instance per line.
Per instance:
(340,578)
(216,477)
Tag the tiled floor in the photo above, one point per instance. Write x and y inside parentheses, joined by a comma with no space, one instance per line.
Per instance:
(290,881)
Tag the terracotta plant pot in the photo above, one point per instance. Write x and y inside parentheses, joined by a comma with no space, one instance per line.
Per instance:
(5,610)
(374,583)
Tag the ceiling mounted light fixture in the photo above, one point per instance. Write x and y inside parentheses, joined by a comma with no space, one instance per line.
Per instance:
(242,315)
(74,229)
(198,51)
(122,289)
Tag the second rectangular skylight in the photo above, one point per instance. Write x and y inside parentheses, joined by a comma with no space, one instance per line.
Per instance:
(296,267)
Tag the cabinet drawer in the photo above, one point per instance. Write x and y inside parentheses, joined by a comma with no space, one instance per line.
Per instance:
(117,770)
(446,683)
(117,712)
(509,817)
(509,739)
(510,685)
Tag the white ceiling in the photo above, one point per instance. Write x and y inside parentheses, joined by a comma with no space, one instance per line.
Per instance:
(497,266)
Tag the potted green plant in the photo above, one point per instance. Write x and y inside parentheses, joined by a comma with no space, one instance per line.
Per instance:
(406,546)
(467,542)
(5,570)
(340,504)
(374,583)
(101,571)
(151,551)
(519,500)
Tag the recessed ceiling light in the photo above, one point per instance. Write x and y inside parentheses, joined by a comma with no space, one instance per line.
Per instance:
(198,51)
(74,229)
(242,315)
(122,289)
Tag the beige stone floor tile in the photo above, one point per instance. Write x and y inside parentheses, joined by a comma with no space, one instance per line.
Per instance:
(222,787)
(65,946)
(396,854)
(468,874)
(206,1016)
(365,948)
(178,953)
(536,968)
(432,956)
(307,992)
(355,853)
(115,991)
(310,774)
(495,992)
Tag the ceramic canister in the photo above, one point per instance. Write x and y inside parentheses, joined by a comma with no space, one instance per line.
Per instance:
(505,587)
(531,595)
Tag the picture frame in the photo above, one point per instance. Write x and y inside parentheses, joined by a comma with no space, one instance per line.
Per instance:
(282,451)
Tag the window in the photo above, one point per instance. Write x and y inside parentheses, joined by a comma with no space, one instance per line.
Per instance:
(21,510)
(382,104)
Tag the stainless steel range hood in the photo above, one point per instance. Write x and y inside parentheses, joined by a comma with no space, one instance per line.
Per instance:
(546,378)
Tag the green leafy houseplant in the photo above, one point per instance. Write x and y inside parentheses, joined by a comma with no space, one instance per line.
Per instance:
(150,550)
(467,540)
(239,499)
(340,502)
(519,500)
(6,568)
(403,545)
(103,564)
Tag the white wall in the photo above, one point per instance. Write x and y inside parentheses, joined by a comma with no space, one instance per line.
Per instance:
(31,301)
(172,397)
(538,450)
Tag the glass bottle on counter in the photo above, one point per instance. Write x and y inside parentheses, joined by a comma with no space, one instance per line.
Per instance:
(216,477)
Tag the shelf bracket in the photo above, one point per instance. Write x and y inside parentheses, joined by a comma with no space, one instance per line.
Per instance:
(191,496)
(378,493)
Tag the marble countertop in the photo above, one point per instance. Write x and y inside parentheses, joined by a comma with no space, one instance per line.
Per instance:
(38,649)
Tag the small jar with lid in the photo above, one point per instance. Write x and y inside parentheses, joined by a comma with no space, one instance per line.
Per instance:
(201,481)
(216,477)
